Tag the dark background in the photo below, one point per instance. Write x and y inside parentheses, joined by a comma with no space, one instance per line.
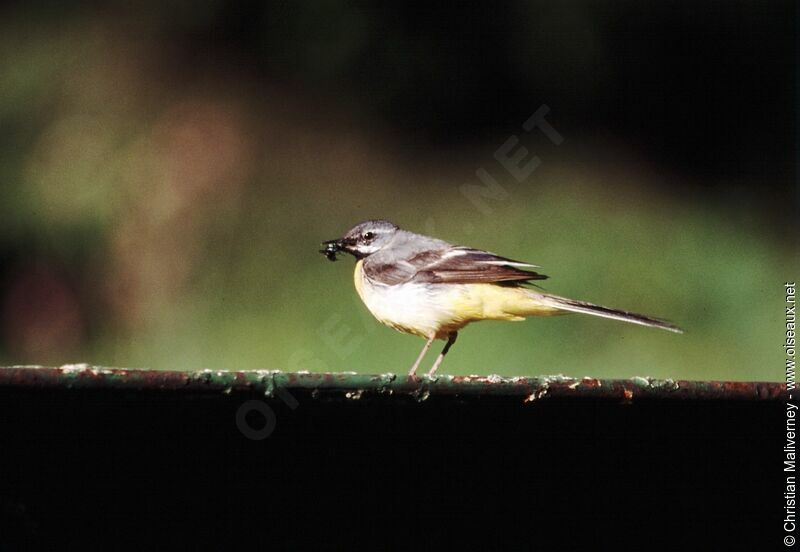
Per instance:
(701,87)
(170,471)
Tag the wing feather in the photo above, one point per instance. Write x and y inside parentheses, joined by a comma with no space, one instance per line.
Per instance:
(456,265)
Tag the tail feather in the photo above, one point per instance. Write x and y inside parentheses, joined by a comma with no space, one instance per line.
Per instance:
(571,305)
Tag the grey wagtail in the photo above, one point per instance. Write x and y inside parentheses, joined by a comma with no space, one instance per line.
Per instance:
(430,288)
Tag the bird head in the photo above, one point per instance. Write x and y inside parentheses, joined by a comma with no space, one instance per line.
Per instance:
(361,240)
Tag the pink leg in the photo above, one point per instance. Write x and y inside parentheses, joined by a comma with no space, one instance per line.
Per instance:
(427,346)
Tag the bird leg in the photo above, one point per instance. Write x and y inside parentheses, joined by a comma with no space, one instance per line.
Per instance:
(451,338)
(427,346)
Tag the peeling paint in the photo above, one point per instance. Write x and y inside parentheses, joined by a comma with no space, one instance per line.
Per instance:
(628,394)
(591,382)
(269,385)
(423,396)
(558,378)
(354,395)
(540,392)
(664,384)
(74,368)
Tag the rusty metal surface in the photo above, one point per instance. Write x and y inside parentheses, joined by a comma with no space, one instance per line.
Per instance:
(352,386)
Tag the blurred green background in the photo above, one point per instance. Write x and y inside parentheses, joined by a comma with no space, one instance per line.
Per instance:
(168,171)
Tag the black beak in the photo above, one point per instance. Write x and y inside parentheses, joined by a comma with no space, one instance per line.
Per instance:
(331,247)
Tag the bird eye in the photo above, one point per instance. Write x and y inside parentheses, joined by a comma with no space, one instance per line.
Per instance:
(368,236)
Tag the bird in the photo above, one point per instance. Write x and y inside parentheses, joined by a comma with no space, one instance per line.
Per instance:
(430,288)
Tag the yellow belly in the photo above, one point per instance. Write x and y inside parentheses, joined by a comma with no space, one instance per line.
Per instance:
(438,309)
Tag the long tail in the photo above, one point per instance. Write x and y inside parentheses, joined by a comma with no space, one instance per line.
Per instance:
(571,305)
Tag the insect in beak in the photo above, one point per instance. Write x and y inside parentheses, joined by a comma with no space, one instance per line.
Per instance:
(331,248)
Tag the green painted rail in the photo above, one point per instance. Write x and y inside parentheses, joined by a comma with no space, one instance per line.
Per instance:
(352,386)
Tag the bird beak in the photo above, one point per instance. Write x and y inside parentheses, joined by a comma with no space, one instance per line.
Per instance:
(331,247)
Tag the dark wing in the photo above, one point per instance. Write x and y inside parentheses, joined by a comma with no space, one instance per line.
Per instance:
(462,265)
(456,265)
